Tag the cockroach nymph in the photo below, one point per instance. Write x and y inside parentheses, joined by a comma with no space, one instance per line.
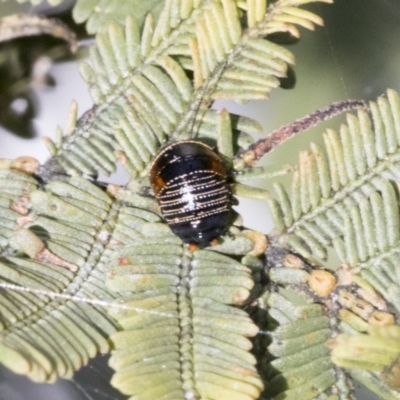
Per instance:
(190,183)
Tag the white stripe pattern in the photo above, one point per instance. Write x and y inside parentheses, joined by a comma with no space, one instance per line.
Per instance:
(194,196)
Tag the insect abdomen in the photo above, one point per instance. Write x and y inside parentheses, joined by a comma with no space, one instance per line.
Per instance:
(190,183)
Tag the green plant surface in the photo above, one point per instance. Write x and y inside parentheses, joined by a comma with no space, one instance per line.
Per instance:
(88,268)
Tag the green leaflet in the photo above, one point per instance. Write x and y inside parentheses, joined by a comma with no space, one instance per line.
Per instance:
(99,13)
(176,327)
(181,334)
(372,358)
(371,239)
(36,2)
(52,241)
(342,198)
(139,79)
(302,333)
(297,364)
(15,190)
(176,308)
(374,351)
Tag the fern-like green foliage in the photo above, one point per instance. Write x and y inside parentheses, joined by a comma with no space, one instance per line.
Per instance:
(379,352)
(302,318)
(345,197)
(87,269)
(180,334)
(100,13)
(301,367)
(135,74)
(62,236)
(169,299)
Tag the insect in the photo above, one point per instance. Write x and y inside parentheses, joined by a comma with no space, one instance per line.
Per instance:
(190,183)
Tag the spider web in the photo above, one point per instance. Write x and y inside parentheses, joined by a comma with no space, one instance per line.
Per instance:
(351,58)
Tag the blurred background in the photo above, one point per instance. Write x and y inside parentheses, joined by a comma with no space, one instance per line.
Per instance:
(355,55)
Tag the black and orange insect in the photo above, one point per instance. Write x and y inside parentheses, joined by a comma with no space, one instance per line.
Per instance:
(190,183)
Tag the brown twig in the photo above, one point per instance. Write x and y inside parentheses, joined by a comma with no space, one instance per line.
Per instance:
(257,150)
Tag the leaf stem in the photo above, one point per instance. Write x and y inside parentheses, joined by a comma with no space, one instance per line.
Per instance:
(257,150)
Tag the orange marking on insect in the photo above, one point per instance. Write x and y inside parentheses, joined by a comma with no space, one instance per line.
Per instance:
(193,247)
(214,242)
